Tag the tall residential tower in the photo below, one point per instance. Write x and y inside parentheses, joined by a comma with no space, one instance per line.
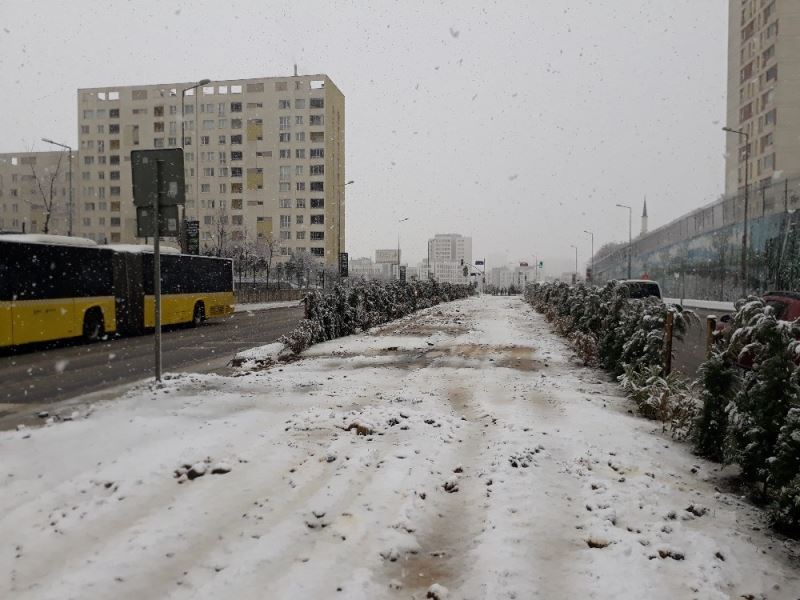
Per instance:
(763,88)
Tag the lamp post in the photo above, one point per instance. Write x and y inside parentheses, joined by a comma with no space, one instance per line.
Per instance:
(591,234)
(69,209)
(630,238)
(339,219)
(183,135)
(398,244)
(576,262)
(746,202)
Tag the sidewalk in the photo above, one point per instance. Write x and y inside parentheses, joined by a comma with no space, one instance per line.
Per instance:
(461,446)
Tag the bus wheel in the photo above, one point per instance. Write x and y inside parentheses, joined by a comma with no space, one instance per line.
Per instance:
(199,314)
(93,326)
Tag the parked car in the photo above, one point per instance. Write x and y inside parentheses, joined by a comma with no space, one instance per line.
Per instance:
(642,288)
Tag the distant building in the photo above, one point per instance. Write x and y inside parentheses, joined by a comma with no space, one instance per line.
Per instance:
(31,185)
(390,256)
(449,253)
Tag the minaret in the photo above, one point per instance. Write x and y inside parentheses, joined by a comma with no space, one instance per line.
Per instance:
(644,218)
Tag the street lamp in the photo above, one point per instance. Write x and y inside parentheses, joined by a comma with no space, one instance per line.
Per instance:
(576,261)
(69,213)
(339,219)
(183,137)
(591,234)
(398,245)
(630,246)
(746,202)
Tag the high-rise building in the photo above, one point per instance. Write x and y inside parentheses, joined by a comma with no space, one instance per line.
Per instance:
(264,160)
(763,87)
(34,192)
(448,254)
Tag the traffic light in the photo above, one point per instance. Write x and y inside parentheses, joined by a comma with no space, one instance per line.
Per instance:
(462,262)
(541,264)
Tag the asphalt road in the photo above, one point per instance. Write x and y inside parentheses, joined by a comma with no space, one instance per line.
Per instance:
(42,376)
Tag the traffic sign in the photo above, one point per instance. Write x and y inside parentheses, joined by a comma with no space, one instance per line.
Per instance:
(167,221)
(402,273)
(344,265)
(145,176)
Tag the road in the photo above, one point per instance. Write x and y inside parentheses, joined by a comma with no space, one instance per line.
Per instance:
(45,376)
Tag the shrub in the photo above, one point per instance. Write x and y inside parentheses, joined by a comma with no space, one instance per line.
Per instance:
(718,380)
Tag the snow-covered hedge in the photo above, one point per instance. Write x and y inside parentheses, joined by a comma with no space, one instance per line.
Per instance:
(347,309)
(627,338)
(751,407)
(744,408)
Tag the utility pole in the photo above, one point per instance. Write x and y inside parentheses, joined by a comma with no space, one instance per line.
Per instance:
(576,262)
(69,213)
(746,203)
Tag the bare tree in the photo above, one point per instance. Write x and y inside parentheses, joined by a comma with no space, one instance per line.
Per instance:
(266,248)
(47,190)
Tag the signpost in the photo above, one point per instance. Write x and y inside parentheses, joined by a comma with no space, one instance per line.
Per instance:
(158,183)
(192,235)
(344,265)
(402,273)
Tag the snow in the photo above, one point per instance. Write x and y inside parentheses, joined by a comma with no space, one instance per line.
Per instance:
(40,238)
(143,248)
(335,480)
(706,304)
(255,306)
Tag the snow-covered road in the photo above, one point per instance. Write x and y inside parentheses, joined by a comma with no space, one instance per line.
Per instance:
(461,446)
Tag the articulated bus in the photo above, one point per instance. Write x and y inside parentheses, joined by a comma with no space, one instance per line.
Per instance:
(57,287)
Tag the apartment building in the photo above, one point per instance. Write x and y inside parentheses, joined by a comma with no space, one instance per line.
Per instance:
(34,192)
(264,160)
(763,87)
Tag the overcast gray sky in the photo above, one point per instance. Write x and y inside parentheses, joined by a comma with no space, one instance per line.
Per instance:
(520,123)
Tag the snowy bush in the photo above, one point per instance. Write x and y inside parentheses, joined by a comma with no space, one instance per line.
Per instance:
(626,337)
(718,381)
(769,389)
(347,309)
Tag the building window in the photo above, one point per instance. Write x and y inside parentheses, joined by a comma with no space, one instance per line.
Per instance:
(300,153)
(285,137)
(301,186)
(317,186)
(158,127)
(113,128)
(317,136)
(236,204)
(208,171)
(236,171)
(317,251)
(298,171)
(286,235)
(318,203)
(283,123)
(113,159)
(236,188)
(158,111)
(286,221)
(317,219)
(317,169)
(114,191)
(113,113)
(115,221)
(285,203)
(281,86)
(316,103)
(158,143)
(236,139)
(315,120)
(298,220)
(236,107)
(317,235)
(284,172)
(318,153)
(236,123)
(298,120)
(300,136)
(113,175)
(284,104)
(284,186)
(205,140)
(235,155)
(300,203)
(114,144)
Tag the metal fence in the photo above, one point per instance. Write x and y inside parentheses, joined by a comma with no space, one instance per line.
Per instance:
(699,255)
(249,295)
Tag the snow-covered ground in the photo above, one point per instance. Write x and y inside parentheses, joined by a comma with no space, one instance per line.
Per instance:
(266,305)
(461,448)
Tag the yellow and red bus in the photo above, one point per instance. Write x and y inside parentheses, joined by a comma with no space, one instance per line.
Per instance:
(57,287)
